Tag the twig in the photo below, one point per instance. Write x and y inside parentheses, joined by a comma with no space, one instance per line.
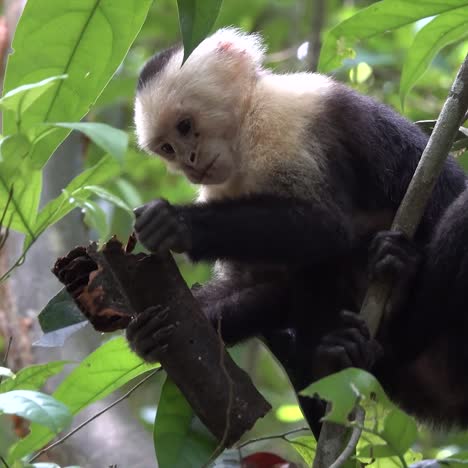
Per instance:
(4,462)
(407,220)
(353,440)
(283,436)
(92,418)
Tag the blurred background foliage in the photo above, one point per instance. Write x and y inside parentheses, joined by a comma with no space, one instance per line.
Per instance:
(286,27)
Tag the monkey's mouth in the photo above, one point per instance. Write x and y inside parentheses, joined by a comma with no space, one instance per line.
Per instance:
(197,176)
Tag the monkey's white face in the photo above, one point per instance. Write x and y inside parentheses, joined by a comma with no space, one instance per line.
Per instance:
(204,154)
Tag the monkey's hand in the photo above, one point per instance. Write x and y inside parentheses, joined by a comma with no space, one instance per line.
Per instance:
(348,346)
(160,227)
(148,333)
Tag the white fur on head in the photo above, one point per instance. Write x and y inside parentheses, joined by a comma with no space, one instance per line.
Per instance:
(208,85)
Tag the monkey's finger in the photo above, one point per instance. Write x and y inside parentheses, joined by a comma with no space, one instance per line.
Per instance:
(140,322)
(351,320)
(155,234)
(153,325)
(139,210)
(151,211)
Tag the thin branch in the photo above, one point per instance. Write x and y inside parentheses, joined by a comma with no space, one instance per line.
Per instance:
(283,436)
(353,440)
(95,416)
(5,464)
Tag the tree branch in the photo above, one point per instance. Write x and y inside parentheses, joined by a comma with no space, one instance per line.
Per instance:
(406,220)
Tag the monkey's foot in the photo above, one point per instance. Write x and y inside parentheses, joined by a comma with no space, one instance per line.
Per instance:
(149,332)
(348,346)
(392,256)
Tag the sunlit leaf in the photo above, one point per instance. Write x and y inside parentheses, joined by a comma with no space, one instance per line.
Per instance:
(21,98)
(37,407)
(438,33)
(177,442)
(346,388)
(93,40)
(102,372)
(33,377)
(377,19)
(196,20)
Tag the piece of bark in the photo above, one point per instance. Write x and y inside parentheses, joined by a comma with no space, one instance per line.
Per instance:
(113,285)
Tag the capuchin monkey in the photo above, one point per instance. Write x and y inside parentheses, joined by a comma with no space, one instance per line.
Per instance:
(299,176)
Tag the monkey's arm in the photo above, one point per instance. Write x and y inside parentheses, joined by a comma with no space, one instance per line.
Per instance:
(253,229)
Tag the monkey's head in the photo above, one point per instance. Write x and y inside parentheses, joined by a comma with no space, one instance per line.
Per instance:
(191,115)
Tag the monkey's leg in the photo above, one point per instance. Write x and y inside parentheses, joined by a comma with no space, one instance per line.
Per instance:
(242,313)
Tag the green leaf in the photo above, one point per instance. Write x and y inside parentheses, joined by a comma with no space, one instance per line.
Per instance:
(344,389)
(112,140)
(33,377)
(22,209)
(306,446)
(109,196)
(102,372)
(399,431)
(85,39)
(377,19)
(106,169)
(196,20)
(177,442)
(5,372)
(14,148)
(95,218)
(60,312)
(437,34)
(37,407)
(21,98)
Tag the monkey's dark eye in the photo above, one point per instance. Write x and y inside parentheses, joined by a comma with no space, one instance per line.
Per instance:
(184,127)
(167,149)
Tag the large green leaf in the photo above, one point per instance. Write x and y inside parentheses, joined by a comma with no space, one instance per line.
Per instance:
(102,372)
(377,19)
(177,442)
(32,377)
(196,20)
(24,194)
(85,39)
(37,407)
(438,33)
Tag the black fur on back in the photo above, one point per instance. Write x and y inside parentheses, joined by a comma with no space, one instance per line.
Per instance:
(155,65)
